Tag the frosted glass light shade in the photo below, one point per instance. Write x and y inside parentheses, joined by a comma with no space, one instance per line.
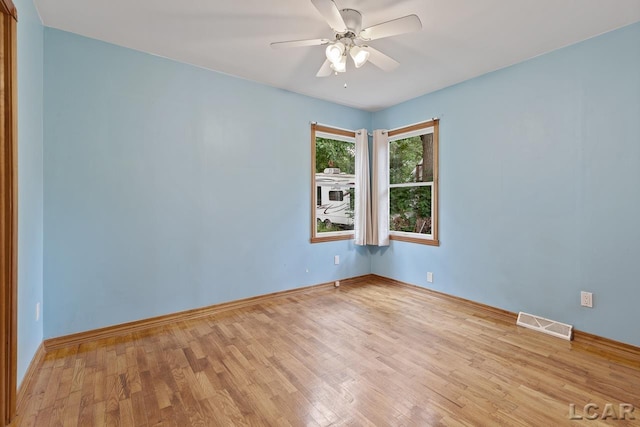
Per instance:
(334,52)
(341,65)
(359,56)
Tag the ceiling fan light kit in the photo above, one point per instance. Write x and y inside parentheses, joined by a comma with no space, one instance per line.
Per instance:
(337,54)
(350,38)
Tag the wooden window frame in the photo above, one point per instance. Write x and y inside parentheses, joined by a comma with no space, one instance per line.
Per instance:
(8,211)
(315,238)
(434,240)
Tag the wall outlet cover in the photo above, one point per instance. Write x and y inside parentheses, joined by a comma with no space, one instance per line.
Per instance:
(586,299)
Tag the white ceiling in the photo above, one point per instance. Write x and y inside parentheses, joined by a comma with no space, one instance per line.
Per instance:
(460,39)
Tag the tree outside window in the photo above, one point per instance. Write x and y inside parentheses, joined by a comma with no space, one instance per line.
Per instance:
(413,183)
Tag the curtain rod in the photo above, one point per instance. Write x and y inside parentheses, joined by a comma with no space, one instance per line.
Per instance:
(368,133)
(330,126)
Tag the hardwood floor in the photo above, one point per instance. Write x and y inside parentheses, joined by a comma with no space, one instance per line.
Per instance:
(365,354)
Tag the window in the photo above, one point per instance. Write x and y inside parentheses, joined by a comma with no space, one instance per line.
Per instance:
(413,183)
(336,196)
(333,183)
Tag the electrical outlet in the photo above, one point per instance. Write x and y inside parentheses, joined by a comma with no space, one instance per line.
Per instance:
(336,259)
(586,299)
(430,277)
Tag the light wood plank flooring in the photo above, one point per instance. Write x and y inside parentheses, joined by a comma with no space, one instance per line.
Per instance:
(366,354)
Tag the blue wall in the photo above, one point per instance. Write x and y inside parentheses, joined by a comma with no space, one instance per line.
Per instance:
(170,187)
(540,187)
(30,199)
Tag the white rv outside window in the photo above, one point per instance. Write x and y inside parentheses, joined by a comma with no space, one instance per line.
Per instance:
(333,183)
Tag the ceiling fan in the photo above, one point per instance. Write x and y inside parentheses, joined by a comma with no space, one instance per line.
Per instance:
(350,39)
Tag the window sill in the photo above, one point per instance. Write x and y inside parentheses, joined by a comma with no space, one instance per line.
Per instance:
(430,242)
(320,239)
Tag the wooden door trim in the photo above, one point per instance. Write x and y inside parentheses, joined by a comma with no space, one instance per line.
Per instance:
(8,211)
(8,8)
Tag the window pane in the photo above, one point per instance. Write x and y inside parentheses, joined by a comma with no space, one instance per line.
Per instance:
(332,153)
(411,159)
(336,211)
(410,209)
(335,185)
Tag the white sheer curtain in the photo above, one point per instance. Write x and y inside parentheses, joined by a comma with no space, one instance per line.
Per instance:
(378,229)
(362,210)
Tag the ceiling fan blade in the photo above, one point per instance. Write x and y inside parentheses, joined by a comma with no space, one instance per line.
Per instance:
(331,14)
(380,60)
(299,43)
(406,24)
(325,70)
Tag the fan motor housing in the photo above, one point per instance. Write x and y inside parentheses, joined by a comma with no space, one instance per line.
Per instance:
(352,19)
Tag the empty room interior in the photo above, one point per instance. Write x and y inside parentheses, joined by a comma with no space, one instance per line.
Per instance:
(320,212)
